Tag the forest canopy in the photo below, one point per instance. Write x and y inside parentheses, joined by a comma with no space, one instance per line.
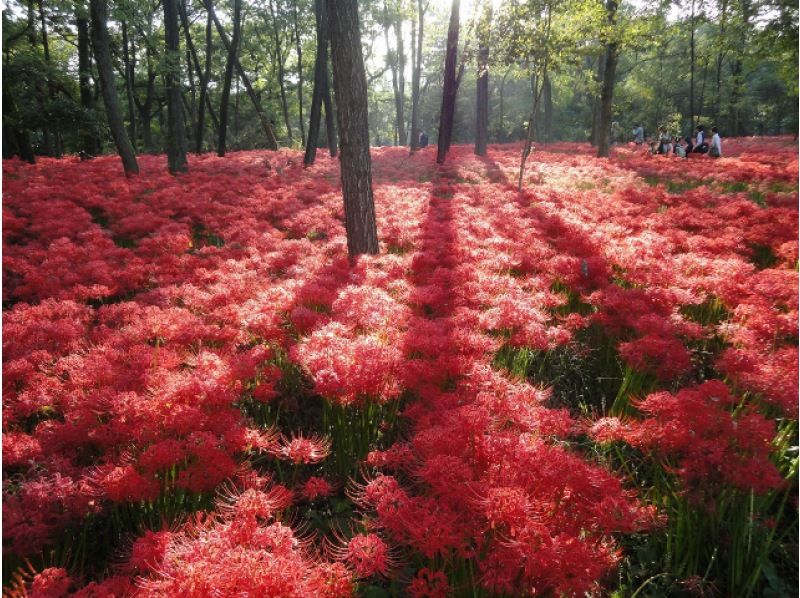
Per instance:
(731,63)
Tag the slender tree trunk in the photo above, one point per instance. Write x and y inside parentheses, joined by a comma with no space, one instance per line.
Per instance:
(450,88)
(691,69)
(547,125)
(176,130)
(601,68)
(482,85)
(128,56)
(398,64)
(320,79)
(721,41)
(272,142)
(299,49)
(226,87)
(146,109)
(536,88)
(350,85)
(20,138)
(89,141)
(607,93)
(330,117)
(281,71)
(204,76)
(105,72)
(416,75)
(41,95)
(502,103)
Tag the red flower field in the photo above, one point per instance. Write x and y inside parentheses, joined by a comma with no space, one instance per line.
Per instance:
(568,389)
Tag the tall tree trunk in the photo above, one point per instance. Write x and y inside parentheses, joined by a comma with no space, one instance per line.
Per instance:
(105,71)
(281,71)
(20,138)
(51,90)
(89,140)
(299,49)
(607,93)
(330,117)
(450,88)
(482,85)
(203,75)
(691,68)
(416,75)
(320,80)
(146,109)
(226,86)
(176,130)
(502,103)
(272,142)
(41,95)
(596,108)
(128,57)
(721,42)
(547,125)
(397,64)
(350,85)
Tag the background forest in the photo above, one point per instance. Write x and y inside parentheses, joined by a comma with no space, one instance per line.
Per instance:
(728,62)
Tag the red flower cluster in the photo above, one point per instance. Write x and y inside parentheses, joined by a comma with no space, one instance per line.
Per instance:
(147,320)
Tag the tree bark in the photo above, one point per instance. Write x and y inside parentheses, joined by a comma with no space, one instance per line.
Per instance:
(203,75)
(320,81)
(281,71)
(482,84)
(299,49)
(89,140)
(350,85)
(691,69)
(330,117)
(226,86)
(102,54)
(128,57)
(272,142)
(601,68)
(415,77)
(607,93)
(450,88)
(48,147)
(547,125)
(176,130)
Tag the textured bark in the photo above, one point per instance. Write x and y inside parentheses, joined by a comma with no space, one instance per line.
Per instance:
(607,93)
(281,71)
(128,56)
(601,67)
(482,84)
(176,131)
(450,86)
(350,86)
(330,118)
(320,81)
(89,140)
(299,49)
(416,75)
(272,142)
(105,71)
(203,76)
(226,86)
(547,125)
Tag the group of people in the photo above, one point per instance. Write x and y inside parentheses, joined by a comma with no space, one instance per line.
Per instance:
(666,144)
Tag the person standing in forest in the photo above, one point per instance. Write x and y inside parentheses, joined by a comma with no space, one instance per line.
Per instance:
(715,150)
(700,143)
(638,134)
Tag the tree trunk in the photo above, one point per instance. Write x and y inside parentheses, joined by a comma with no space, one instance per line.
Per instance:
(41,95)
(176,131)
(226,86)
(416,74)
(607,93)
(482,85)
(203,76)
(272,142)
(350,85)
(601,68)
(547,125)
(299,49)
(20,138)
(89,140)
(105,72)
(330,117)
(398,66)
(450,88)
(128,56)
(691,69)
(281,72)
(320,80)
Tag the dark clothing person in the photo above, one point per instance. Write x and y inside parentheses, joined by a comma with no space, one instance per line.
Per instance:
(423,139)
